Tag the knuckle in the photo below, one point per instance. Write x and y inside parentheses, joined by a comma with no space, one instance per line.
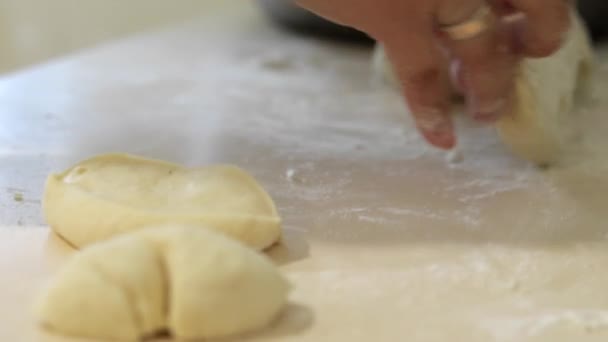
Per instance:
(421,80)
(543,48)
(484,75)
(490,80)
(549,31)
(426,90)
(481,50)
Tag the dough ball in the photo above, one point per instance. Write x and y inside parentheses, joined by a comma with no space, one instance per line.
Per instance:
(193,282)
(542,124)
(115,194)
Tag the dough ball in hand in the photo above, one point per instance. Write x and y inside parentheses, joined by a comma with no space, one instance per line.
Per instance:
(114,194)
(192,282)
(542,125)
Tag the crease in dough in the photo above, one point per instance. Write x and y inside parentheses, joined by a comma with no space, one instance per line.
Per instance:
(128,295)
(245,293)
(165,303)
(114,194)
(146,297)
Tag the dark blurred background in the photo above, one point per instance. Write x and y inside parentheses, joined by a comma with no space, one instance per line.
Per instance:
(289,16)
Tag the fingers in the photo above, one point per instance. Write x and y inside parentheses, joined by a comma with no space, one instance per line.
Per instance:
(425,83)
(547,21)
(485,66)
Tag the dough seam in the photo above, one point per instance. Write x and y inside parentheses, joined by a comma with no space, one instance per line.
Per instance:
(127,293)
(164,274)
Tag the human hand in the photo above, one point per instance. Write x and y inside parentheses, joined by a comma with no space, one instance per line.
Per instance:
(433,43)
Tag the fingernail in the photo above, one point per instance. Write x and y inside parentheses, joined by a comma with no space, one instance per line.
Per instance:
(490,112)
(444,141)
(433,123)
(438,131)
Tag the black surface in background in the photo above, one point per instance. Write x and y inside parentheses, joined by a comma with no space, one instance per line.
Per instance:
(297,20)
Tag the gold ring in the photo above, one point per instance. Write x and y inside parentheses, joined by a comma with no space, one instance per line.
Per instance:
(479,22)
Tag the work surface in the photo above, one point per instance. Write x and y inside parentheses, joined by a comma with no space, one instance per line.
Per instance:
(386,239)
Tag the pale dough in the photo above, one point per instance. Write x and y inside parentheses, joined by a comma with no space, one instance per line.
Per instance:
(543,123)
(194,282)
(115,193)
(540,127)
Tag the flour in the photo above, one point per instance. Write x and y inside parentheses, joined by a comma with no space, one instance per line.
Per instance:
(455,156)
(514,327)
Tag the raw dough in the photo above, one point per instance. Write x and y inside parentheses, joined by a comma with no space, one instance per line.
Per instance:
(540,126)
(113,194)
(194,282)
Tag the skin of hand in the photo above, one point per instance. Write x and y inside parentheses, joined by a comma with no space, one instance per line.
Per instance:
(427,62)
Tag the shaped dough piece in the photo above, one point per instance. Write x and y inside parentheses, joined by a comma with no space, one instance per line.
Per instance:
(194,282)
(542,124)
(115,194)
